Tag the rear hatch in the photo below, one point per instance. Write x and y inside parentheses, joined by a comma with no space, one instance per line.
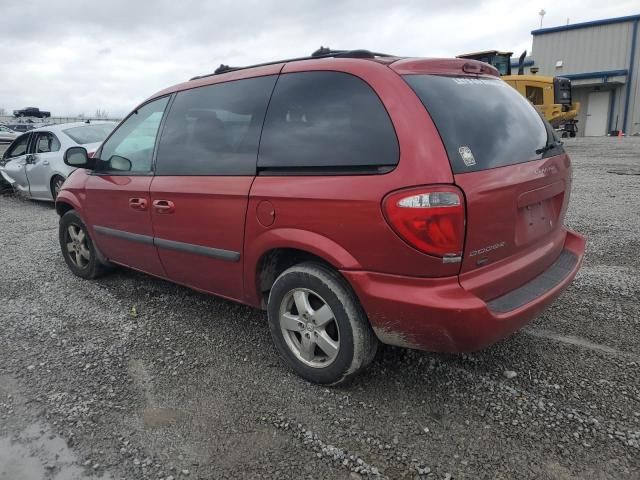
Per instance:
(514,174)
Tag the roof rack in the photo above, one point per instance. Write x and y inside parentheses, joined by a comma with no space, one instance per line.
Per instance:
(322,52)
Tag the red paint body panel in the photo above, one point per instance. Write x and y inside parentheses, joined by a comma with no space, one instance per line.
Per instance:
(73,193)
(210,212)
(439,314)
(107,205)
(438,66)
(519,210)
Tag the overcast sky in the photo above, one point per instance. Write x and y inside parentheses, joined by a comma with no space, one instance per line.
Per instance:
(75,56)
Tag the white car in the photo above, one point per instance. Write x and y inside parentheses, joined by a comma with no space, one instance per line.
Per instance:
(7,135)
(34,165)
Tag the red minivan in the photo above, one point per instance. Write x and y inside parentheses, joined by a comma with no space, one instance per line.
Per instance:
(358,197)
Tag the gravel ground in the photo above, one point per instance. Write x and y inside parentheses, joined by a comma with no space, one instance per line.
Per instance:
(133,377)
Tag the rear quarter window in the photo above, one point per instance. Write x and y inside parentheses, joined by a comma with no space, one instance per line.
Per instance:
(326,121)
(484,123)
(89,133)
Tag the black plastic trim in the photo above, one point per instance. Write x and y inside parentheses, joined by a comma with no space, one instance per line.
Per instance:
(218,253)
(550,278)
(134,237)
(331,170)
(320,53)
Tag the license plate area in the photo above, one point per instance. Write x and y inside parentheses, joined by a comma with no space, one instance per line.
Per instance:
(536,220)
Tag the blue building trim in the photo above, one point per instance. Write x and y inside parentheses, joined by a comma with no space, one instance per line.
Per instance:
(594,23)
(604,74)
(632,58)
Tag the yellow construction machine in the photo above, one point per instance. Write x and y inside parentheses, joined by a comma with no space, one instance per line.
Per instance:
(551,95)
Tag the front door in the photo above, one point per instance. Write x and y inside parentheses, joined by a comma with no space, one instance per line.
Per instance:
(597,110)
(44,149)
(15,160)
(205,166)
(118,201)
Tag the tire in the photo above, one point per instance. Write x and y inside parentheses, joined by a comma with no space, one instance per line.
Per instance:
(82,260)
(572,134)
(332,351)
(56,185)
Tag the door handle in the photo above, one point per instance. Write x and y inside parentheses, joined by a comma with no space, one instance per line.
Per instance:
(45,162)
(164,206)
(138,203)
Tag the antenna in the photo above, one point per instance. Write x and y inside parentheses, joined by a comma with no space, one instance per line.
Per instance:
(542,13)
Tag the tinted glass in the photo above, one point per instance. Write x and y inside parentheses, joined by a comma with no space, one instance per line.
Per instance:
(326,119)
(47,142)
(89,133)
(215,130)
(134,139)
(484,123)
(18,147)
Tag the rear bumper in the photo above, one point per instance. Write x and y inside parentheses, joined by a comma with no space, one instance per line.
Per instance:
(438,314)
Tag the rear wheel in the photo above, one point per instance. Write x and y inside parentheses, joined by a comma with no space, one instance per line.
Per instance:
(56,185)
(318,326)
(77,248)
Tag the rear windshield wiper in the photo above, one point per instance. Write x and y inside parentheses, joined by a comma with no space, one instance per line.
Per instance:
(549,146)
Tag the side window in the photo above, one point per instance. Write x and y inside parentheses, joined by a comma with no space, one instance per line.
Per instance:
(326,120)
(130,148)
(18,147)
(47,142)
(215,130)
(534,95)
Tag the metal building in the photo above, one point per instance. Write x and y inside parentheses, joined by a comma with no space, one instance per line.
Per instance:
(602,59)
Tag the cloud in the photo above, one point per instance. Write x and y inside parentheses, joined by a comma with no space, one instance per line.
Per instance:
(73,56)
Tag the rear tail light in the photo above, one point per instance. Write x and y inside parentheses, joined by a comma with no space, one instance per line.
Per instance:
(430,219)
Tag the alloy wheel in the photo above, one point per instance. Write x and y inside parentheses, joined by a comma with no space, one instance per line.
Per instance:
(77,246)
(309,328)
(57,186)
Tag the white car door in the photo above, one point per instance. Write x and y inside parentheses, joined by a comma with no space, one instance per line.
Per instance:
(45,148)
(15,159)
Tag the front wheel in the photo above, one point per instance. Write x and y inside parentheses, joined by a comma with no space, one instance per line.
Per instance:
(318,326)
(77,248)
(56,185)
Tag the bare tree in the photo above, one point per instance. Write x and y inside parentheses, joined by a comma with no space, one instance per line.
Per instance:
(101,113)
(2,111)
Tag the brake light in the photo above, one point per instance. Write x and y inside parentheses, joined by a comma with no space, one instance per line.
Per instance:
(480,67)
(430,219)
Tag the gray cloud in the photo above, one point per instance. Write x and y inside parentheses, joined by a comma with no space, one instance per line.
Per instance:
(73,56)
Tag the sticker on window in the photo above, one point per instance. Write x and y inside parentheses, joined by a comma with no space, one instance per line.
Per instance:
(467,156)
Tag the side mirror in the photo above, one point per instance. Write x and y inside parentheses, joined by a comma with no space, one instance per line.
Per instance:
(79,158)
(116,162)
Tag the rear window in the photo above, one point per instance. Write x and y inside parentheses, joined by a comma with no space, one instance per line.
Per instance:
(484,123)
(326,121)
(89,133)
